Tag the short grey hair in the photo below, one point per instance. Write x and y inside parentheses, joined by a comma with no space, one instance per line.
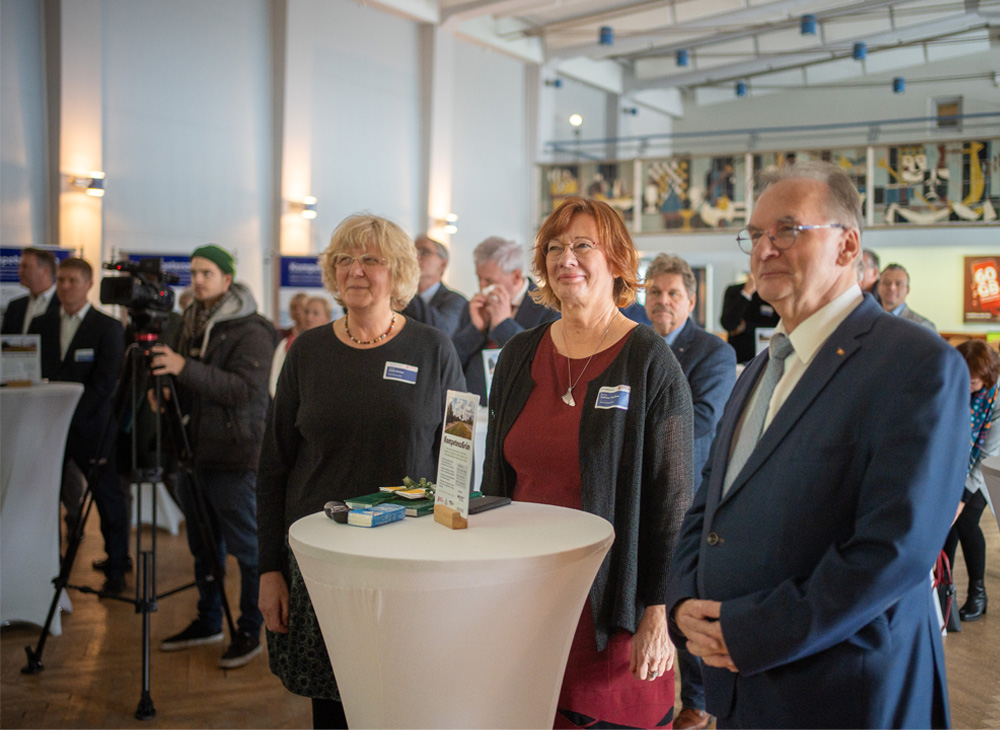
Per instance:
(667,264)
(844,199)
(439,247)
(508,255)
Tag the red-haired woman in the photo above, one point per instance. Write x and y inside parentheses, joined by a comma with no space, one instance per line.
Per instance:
(593,412)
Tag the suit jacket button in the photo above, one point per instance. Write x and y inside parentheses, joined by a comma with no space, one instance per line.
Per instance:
(713,539)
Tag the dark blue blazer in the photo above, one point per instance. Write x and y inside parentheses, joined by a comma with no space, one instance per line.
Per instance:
(13,318)
(470,342)
(444,311)
(709,364)
(820,552)
(93,358)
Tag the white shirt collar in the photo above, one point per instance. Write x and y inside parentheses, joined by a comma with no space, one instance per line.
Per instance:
(45,296)
(516,301)
(428,293)
(810,335)
(78,315)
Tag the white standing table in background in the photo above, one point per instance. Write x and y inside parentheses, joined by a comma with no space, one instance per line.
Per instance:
(991,475)
(431,627)
(35,421)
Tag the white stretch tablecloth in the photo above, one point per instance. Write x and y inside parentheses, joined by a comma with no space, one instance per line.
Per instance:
(35,422)
(430,627)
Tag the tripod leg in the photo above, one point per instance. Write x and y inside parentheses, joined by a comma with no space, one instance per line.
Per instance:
(34,665)
(144,562)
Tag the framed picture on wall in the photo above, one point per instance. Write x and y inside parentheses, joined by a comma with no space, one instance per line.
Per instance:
(982,289)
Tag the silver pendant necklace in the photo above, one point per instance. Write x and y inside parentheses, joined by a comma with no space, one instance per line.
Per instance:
(568,398)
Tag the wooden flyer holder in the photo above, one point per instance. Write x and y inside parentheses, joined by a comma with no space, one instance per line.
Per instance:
(450,518)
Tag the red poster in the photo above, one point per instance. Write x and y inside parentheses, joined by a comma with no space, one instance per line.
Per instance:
(982,289)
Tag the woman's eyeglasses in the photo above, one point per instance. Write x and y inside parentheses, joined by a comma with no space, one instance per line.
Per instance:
(367,261)
(581,248)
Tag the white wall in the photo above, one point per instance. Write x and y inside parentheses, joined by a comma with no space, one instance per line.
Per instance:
(491,174)
(22,133)
(187,129)
(352,113)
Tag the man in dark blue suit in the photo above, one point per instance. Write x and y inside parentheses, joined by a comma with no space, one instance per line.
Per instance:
(709,364)
(435,304)
(502,308)
(801,573)
(81,345)
(37,273)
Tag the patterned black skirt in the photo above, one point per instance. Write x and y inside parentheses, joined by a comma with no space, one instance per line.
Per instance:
(299,658)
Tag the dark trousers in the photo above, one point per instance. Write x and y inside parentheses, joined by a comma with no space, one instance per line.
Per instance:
(692,687)
(967,531)
(111,506)
(231,499)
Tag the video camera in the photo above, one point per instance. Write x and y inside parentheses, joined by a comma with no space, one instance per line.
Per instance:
(143,292)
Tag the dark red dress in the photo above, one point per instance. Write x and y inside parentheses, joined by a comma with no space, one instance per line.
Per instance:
(543,447)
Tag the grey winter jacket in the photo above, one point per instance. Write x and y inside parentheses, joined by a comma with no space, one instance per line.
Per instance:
(224,390)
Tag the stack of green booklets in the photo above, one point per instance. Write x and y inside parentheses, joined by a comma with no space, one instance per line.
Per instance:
(414,507)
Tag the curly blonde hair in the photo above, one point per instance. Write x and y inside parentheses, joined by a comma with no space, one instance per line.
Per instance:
(391,242)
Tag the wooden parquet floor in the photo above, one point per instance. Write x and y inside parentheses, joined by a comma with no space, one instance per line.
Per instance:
(92,676)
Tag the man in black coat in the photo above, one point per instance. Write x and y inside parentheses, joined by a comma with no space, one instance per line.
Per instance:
(221,366)
(435,304)
(81,345)
(743,312)
(37,273)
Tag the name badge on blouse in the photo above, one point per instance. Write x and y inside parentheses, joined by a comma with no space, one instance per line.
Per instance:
(85,354)
(613,397)
(401,373)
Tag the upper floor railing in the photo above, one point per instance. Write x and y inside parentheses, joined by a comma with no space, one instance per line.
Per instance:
(933,183)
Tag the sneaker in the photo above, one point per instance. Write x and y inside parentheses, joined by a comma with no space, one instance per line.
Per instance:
(244,648)
(194,635)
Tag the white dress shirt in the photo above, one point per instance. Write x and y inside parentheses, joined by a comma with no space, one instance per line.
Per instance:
(807,338)
(68,325)
(37,306)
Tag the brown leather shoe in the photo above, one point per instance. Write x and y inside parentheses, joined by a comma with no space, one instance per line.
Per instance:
(692,719)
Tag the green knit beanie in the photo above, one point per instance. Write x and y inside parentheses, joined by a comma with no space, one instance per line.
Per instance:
(219,256)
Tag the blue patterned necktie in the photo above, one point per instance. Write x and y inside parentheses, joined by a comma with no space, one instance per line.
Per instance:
(778,348)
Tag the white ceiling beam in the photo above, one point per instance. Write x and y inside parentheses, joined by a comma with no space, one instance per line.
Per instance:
(752,67)
(422,11)
(604,75)
(484,8)
(483,32)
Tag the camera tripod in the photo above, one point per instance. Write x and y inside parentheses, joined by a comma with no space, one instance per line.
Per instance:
(130,394)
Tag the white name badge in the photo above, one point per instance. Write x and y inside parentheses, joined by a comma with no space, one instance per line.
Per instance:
(401,373)
(616,397)
(85,354)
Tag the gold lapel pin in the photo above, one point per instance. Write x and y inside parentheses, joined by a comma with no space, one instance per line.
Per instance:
(840,350)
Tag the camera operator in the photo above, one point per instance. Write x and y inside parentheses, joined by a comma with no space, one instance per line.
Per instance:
(221,368)
(81,345)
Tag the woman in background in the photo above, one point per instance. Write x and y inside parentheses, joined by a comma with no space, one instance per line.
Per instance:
(296,310)
(593,412)
(316,313)
(338,428)
(984,368)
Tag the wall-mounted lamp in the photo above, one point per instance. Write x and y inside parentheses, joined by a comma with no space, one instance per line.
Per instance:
(576,120)
(808,25)
(92,183)
(681,57)
(554,83)
(305,208)
(606,36)
(448,223)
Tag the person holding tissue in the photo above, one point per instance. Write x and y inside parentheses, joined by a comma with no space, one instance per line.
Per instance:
(502,308)
(594,412)
(359,406)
